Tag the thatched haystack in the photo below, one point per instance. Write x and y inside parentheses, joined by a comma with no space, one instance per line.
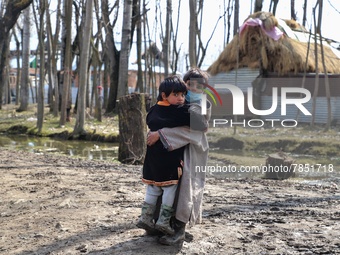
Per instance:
(254,49)
(295,25)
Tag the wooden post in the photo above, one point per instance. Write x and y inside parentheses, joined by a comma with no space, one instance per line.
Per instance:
(279,166)
(132,128)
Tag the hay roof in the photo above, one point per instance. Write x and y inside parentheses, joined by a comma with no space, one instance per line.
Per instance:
(284,56)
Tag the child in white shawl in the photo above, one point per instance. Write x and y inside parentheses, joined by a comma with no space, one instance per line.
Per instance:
(189,203)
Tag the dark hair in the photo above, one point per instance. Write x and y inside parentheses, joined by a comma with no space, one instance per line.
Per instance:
(171,84)
(196,74)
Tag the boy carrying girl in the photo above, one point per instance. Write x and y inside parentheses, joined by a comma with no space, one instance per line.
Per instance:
(162,169)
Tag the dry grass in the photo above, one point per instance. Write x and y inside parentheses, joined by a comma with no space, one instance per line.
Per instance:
(254,49)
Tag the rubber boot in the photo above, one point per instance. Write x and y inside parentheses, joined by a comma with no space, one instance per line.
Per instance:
(163,222)
(146,219)
(178,238)
(154,232)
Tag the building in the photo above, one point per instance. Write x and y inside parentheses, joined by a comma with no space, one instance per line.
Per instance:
(273,53)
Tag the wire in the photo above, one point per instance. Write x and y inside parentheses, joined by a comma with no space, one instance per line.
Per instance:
(333,7)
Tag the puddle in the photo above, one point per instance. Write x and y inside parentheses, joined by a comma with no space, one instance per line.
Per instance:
(83,149)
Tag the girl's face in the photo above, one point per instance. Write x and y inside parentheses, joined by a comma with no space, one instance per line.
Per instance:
(194,86)
(176,98)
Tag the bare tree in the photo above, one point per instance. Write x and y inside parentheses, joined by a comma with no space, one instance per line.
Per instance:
(149,75)
(292,10)
(327,89)
(111,51)
(273,6)
(197,52)
(97,63)
(40,117)
(166,41)
(137,13)
(317,76)
(304,19)
(258,5)
(175,51)
(24,92)
(125,49)
(18,75)
(192,33)
(52,51)
(10,11)
(83,72)
(227,23)
(67,64)
(236,16)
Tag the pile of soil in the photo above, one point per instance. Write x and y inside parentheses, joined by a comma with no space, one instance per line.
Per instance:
(52,204)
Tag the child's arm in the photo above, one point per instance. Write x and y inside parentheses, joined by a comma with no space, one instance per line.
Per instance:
(198,120)
(177,137)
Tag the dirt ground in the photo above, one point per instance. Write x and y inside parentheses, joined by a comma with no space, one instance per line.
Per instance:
(53,204)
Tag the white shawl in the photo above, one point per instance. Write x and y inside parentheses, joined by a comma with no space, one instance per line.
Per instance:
(189,204)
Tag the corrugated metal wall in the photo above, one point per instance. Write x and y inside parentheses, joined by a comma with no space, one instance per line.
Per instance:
(244,79)
(293,112)
(245,76)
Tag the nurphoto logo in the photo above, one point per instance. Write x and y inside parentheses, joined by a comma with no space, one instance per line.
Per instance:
(211,95)
(239,102)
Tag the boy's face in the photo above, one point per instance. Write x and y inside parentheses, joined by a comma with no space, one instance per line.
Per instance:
(176,98)
(194,86)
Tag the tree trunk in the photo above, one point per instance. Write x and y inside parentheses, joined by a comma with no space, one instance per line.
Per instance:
(236,16)
(274,2)
(97,57)
(192,33)
(125,49)
(316,87)
(258,5)
(113,55)
(139,86)
(304,19)
(96,93)
(12,9)
(52,51)
(18,75)
(166,42)
(40,117)
(227,26)
(83,72)
(24,92)
(175,52)
(132,128)
(292,10)
(67,62)
(98,96)
(106,81)
(327,89)
(278,166)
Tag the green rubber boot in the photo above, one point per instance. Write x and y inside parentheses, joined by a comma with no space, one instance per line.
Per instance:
(146,219)
(178,238)
(163,222)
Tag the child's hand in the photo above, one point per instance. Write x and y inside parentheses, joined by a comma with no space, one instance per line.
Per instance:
(152,138)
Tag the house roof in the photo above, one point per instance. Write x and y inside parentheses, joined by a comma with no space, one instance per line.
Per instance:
(254,47)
